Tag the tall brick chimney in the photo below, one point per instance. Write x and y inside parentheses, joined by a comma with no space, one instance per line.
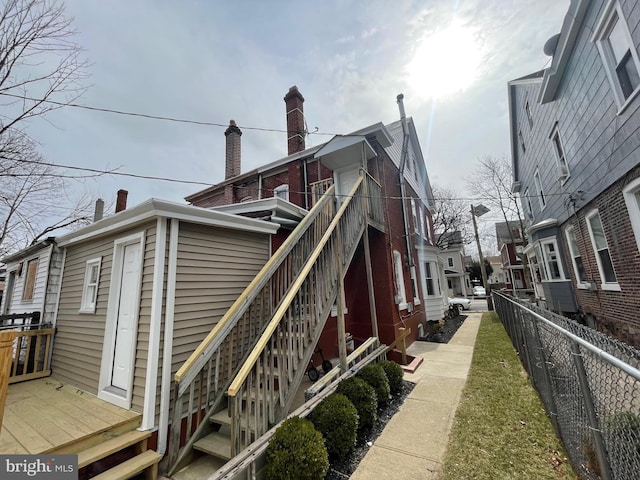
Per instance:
(121,200)
(295,120)
(232,156)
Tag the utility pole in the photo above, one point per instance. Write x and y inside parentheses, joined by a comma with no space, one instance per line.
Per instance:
(478,211)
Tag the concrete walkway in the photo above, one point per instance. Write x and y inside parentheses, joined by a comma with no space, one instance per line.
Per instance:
(413,443)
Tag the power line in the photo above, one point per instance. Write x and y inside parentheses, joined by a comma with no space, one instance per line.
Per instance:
(152,117)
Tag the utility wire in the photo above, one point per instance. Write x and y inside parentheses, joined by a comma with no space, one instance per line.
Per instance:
(153,117)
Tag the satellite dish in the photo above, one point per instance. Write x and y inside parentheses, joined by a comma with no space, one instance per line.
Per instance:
(551,45)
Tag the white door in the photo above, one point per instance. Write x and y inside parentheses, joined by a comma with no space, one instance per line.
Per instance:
(346,179)
(124,350)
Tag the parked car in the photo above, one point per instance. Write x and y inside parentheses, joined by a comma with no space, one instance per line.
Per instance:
(479,291)
(463,303)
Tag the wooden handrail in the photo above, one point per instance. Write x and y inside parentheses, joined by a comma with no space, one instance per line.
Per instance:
(244,299)
(284,305)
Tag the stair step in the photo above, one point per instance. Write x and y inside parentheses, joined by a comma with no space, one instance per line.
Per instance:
(222,417)
(132,467)
(216,444)
(109,447)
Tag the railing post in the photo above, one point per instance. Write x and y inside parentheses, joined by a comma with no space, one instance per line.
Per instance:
(342,345)
(6,356)
(594,424)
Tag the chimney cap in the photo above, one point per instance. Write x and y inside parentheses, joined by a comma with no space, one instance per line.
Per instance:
(232,128)
(293,92)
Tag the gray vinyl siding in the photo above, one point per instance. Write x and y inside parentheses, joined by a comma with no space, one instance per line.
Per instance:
(214,266)
(77,354)
(600,145)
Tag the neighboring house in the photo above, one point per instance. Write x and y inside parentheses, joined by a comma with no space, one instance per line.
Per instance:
(511,244)
(497,277)
(575,156)
(453,258)
(32,280)
(409,281)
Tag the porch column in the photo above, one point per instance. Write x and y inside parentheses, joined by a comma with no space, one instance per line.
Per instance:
(6,356)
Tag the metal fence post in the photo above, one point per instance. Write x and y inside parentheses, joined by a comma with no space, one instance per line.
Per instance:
(594,424)
(552,408)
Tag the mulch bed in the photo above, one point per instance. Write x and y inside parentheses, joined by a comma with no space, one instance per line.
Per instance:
(444,334)
(343,469)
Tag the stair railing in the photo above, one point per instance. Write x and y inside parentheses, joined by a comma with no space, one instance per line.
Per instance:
(201,382)
(265,386)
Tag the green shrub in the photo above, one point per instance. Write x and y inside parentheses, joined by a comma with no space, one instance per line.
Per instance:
(337,419)
(363,397)
(394,375)
(374,375)
(296,451)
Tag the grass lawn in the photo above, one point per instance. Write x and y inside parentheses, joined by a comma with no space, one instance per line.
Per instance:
(501,430)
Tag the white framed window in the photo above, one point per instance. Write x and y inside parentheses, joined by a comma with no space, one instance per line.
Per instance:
(30,279)
(631,193)
(539,190)
(90,288)
(421,221)
(428,273)
(414,213)
(561,158)
(521,138)
(540,261)
(576,258)
(450,261)
(527,202)
(527,109)
(282,191)
(401,295)
(619,56)
(428,229)
(601,249)
(553,265)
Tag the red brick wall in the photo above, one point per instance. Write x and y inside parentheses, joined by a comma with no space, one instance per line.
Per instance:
(616,313)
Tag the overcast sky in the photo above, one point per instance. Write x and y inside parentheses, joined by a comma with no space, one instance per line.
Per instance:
(217,60)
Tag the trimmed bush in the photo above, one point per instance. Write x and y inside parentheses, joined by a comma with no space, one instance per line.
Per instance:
(296,451)
(363,397)
(374,375)
(394,375)
(336,419)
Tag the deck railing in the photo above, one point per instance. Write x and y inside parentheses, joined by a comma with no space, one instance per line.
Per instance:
(31,353)
(319,188)
(263,390)
(200,384)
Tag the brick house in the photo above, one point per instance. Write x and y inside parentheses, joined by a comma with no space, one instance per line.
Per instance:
(574,145)
(408,278)
(511,243)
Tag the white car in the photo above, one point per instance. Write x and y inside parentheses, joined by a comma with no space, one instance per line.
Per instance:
(463,303)
(479,291)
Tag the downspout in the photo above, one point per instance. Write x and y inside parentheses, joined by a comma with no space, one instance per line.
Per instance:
(403,162)
(259,186)
(167,352)
(306,184)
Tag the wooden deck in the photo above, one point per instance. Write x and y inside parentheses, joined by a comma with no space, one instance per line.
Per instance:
(47,416)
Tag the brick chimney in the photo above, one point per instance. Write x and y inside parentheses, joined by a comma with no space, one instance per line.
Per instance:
(121,200)
(295,120)
(232,156)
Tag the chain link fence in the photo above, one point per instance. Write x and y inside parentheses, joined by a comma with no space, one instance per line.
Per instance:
(589,383)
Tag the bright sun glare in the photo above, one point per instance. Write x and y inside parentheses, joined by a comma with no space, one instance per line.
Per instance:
(444,63)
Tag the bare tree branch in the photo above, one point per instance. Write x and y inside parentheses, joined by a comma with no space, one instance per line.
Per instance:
(451,215)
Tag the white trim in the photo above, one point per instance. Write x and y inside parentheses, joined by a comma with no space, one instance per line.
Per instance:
(537,181)
(563,177)
(55,313)
(155,326)
(106,366)
(91,308)
(401,292)
(545,258)
(280,190)
(630,192)
(600,37)
(153,208)
(604,285)
(570,230)
(167,352)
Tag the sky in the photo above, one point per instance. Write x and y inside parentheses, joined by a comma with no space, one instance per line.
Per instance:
(214,61)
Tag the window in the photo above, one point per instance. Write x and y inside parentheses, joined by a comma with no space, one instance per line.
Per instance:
(527,109)
(551,260)
(563,167)
(428,229)
(414,212)
(601,249)
(576,258)
(527,202)
(90,288)
(521,138)
(282,192)
(618,54)
(540,261)
(421,221)
(429,279)
(30,279)
(540,192)
(401,297)
(450,261)
(631,194)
